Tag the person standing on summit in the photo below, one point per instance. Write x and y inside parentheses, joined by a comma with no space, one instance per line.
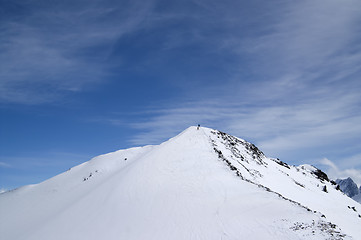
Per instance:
(198,127)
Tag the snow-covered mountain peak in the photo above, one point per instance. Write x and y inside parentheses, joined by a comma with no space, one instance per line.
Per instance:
(200,184)
(348,186)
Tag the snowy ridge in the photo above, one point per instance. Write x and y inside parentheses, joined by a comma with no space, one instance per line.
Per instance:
(304,185)
(201,184)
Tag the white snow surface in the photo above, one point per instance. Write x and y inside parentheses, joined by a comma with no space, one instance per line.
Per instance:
(201,184)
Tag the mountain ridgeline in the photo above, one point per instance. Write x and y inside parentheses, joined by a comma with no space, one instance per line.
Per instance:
(201,184)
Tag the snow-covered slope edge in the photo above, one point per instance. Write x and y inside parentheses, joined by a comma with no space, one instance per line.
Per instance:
(201,184)
(305,184)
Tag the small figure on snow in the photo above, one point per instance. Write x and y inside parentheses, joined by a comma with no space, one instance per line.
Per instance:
(198,127)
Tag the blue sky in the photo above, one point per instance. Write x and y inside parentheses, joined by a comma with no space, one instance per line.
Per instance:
(83,78)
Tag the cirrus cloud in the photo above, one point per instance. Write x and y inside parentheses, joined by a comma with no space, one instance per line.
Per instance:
(50,50)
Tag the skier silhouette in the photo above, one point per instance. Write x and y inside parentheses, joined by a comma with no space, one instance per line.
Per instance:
(198,127)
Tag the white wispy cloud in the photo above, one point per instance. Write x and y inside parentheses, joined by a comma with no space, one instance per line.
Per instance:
(5,165)
(310,36)
(51,50)
(275,127)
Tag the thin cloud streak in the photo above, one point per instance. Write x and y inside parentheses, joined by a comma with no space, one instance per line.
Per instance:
(273,127)
(49,52)
(4,165)
(309,36)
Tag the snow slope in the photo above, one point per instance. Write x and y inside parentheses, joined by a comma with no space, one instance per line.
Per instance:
(201,184)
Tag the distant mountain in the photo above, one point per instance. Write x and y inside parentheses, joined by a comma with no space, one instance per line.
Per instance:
(357,198)
(348,186)
(201,184)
